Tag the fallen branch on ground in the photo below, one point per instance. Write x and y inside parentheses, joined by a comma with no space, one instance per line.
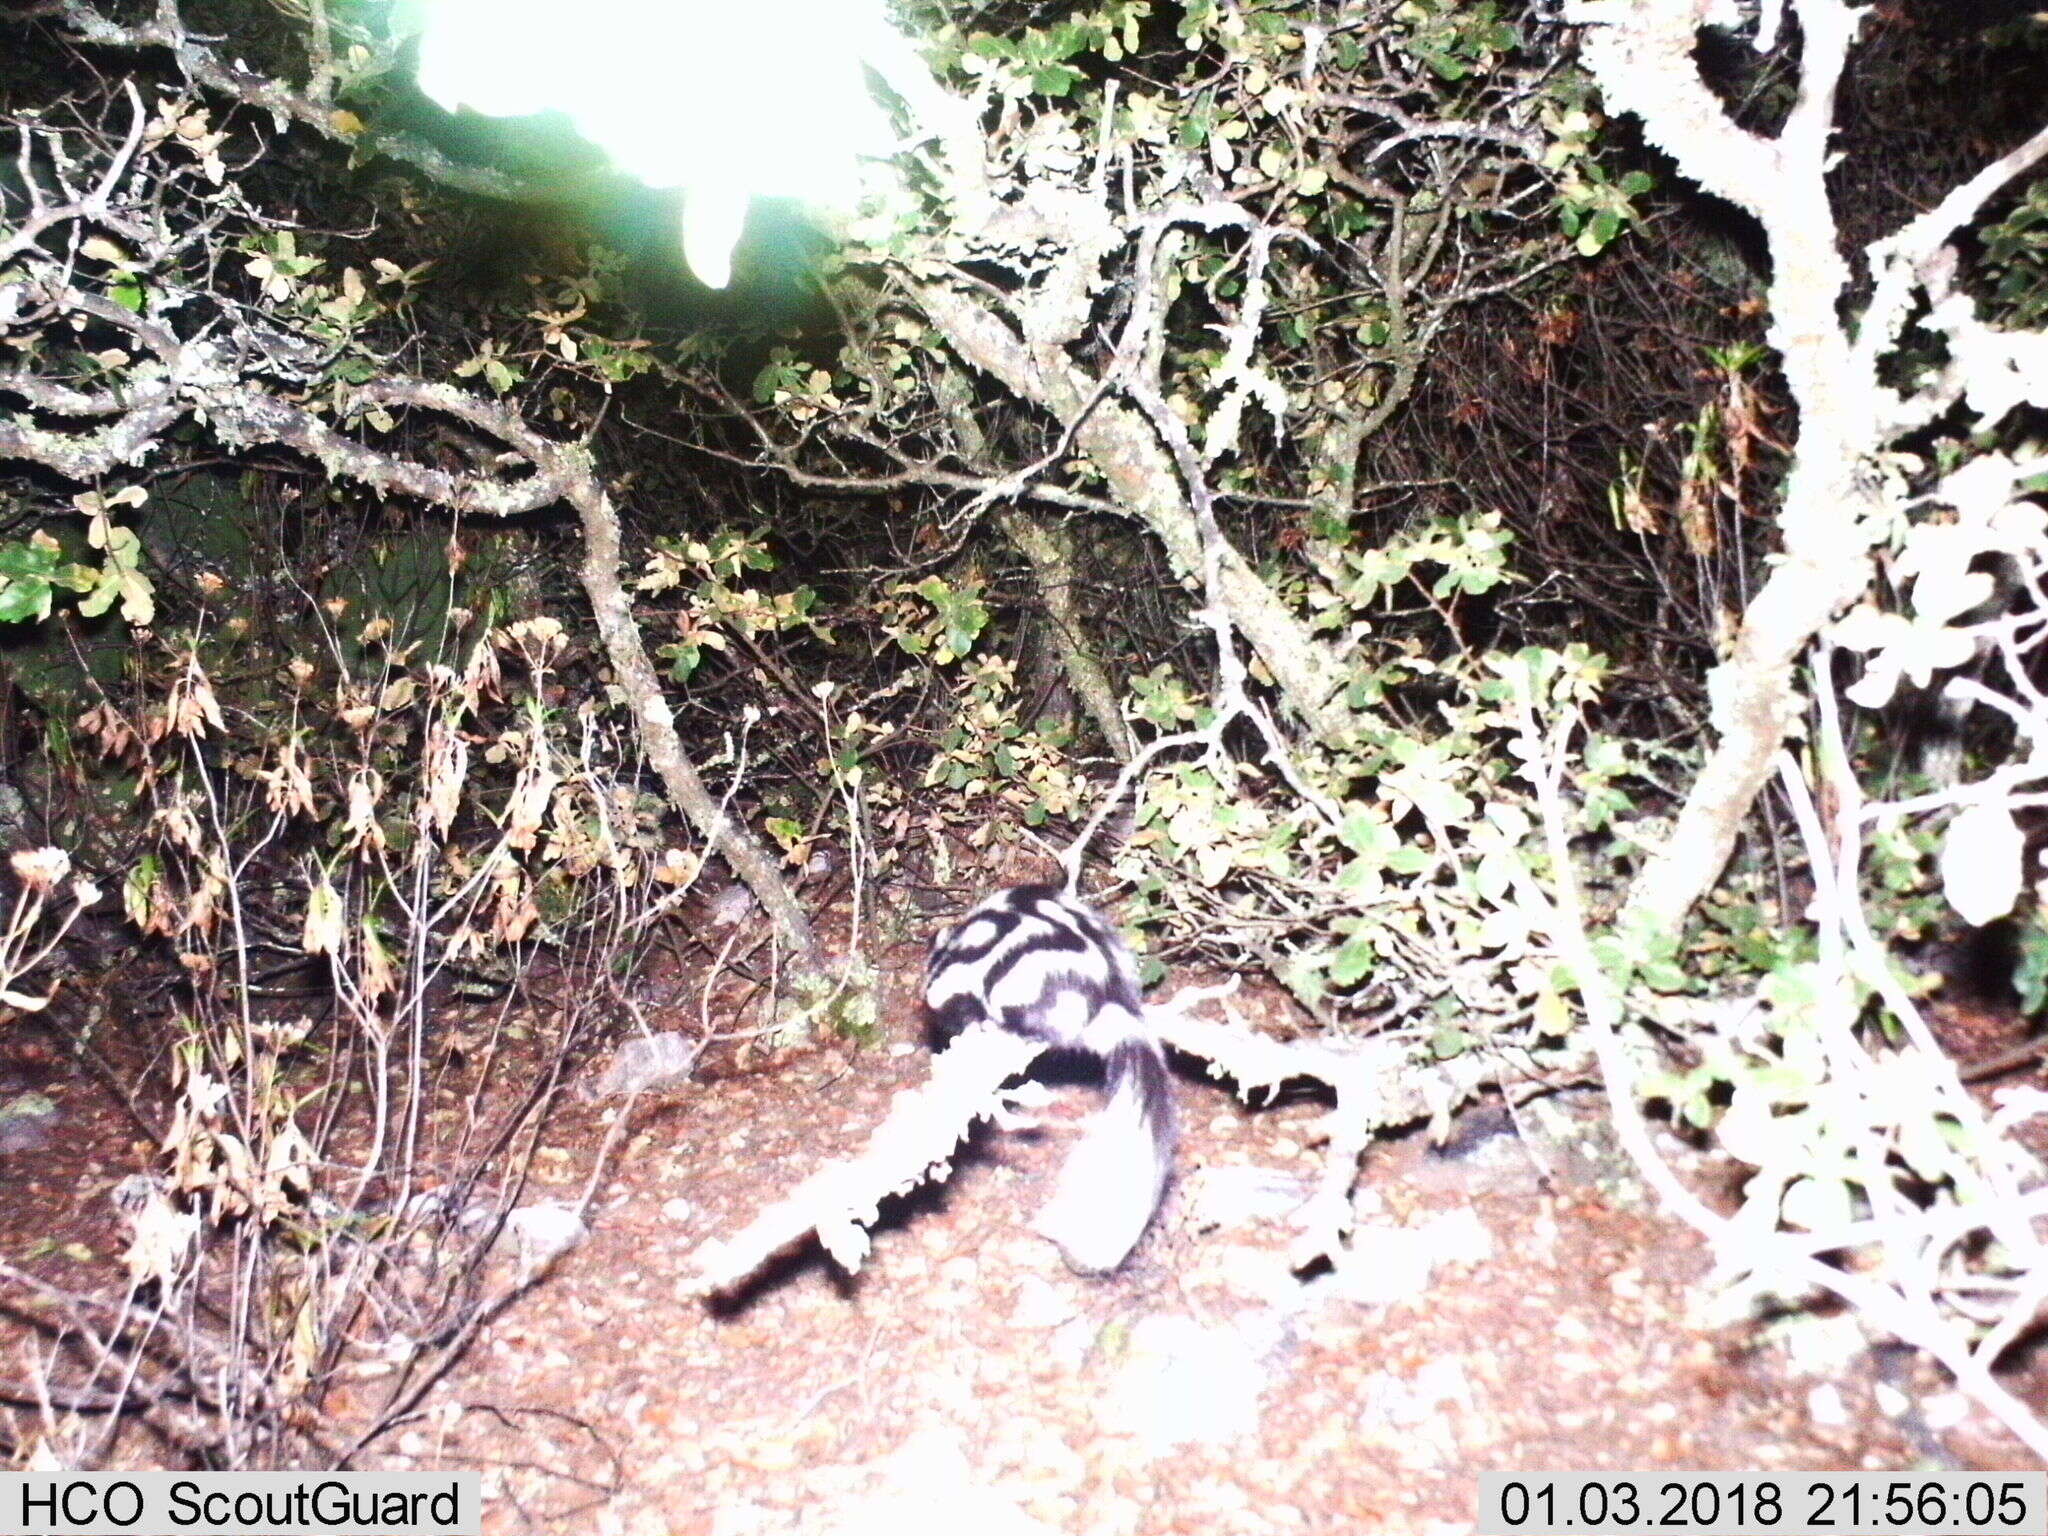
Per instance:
(1378,1083)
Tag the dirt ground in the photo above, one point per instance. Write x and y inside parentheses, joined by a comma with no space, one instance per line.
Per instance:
(1512,1302)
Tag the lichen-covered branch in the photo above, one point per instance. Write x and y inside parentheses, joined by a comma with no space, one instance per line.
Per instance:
(1643,52)
(656,724)
(1050,551)
(915,1143)
(1140,472)
(193,360)
(1378,1084)
(1901,1284)
(206,69)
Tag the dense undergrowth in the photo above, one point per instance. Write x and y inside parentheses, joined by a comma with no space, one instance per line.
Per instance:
(1318,452)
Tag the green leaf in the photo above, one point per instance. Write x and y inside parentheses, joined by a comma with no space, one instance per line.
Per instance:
(683,659)
(1495,874)
(1408,860)
(1354,962)
(139,888)
(1664,976)
(23,599)
(1367,833)
(1817,1204)
(1446,1042)
(2030,976)
(1444,66)
(27,560)
(104,590)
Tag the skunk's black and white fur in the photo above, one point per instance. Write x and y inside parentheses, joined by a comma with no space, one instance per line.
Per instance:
(1037,962)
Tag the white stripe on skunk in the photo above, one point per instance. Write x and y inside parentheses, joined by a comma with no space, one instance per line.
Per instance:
(1037,962)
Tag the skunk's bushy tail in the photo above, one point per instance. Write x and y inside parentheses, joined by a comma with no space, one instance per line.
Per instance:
(1116,1175)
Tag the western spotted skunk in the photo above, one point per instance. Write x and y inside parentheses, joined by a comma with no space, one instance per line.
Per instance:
(1037,962)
